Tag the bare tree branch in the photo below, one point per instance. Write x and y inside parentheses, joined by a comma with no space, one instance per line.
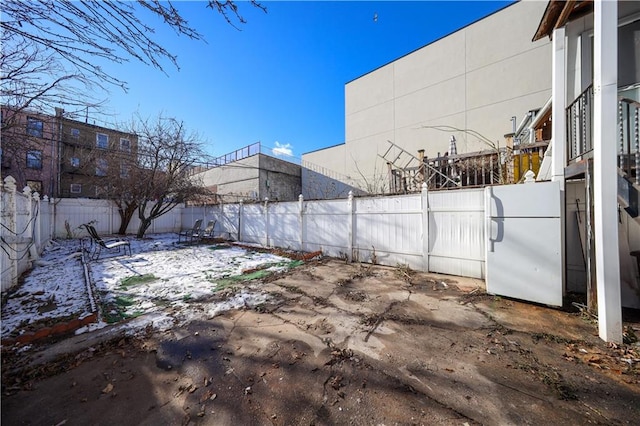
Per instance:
(46,43)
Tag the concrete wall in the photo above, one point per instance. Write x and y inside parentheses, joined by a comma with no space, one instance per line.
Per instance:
(279,180)
(238,178)
(476,78)
(255,177)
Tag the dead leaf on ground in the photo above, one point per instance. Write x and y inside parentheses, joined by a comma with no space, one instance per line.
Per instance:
(107,388)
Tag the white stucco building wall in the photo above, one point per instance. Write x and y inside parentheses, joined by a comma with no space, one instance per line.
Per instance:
(476,78)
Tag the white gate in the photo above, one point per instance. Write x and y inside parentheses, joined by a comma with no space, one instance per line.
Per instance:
(524,242)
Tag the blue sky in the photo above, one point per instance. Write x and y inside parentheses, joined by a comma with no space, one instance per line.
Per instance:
(280,78)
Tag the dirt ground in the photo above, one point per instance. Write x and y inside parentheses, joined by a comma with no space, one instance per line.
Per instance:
(339,344)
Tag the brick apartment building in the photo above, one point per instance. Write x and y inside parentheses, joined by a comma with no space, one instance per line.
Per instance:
(90,155)
(61,157)
(29,143)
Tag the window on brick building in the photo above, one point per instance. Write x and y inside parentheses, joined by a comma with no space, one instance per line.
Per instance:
(101,167)
(76,188)
(35,185)
(35,127)
(102,140)
(75,133)
(125,145)
(75,162)
(124,169)
(34,159)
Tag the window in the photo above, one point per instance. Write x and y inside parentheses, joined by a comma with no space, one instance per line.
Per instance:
(75,133)
(75,162)
(125,145)
(76,188)
(34,159)
(124,170)
(34,127)
(101,167)
(35,185)
(102,140)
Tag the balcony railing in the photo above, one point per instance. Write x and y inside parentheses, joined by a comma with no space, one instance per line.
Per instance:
(629,139)
(580,135)
(579,125)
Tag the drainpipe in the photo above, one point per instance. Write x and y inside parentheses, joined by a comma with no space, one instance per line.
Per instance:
(59,112)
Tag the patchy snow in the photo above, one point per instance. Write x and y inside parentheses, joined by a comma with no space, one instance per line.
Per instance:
(162,284)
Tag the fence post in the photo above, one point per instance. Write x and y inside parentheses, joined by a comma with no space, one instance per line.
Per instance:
(240,218)
(11,209)
(29,230)
(266,218)
(350,207)
(52,218)
(37,238)
(301,216)
(424,203)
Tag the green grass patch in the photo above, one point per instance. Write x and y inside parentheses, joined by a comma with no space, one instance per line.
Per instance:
(115,311)
(124,301)
(137,280)
(295,263)
(235,279)
(218,247)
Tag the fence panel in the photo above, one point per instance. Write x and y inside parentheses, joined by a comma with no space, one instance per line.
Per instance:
(284,225)
(328,225)
(70,213)
(229,221)
(254,224)
(456,232)
(389,230)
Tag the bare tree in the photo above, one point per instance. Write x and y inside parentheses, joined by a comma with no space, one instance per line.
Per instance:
(374,184)
(50,49)
(162,179)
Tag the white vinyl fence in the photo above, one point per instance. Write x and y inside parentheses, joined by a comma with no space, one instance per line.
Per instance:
(70,213)
(431,231)
(24,229)
(28,223)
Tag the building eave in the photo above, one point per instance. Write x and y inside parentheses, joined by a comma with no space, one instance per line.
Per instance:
(558,13)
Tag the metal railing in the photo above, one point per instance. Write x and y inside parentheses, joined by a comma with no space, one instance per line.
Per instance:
(629,139)
(579,125)
(580,132)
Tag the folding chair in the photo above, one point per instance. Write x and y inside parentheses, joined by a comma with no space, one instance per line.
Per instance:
(190,234)
(97,243)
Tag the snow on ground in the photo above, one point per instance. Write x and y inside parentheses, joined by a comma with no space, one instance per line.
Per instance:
(161,284)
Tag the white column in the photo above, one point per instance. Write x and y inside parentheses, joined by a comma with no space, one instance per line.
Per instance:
(605,92)
(559,130)
(558,105)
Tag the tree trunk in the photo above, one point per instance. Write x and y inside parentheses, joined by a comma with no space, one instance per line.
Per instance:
(125,217)
(144,225)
